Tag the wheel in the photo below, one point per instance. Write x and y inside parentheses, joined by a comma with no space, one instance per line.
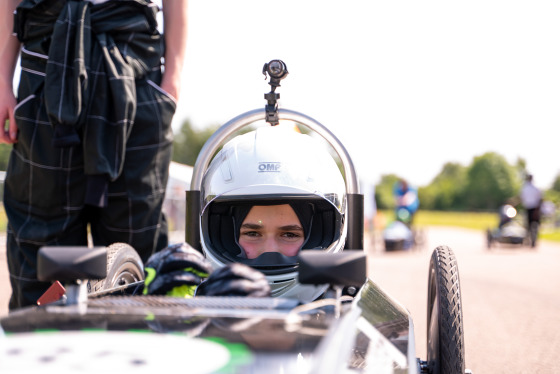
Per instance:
(446,351)
(394,245)
(124,266)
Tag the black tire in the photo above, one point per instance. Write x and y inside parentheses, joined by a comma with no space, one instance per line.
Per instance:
(446,350)
(394,245)
(124,266)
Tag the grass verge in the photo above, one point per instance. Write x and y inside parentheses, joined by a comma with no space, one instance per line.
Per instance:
(469,220)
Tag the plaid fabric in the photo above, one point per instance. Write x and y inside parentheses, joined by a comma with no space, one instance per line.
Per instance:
(94,141)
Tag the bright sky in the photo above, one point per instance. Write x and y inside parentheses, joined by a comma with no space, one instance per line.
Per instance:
(406,85)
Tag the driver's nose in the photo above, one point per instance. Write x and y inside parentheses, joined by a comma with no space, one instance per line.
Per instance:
(270,245)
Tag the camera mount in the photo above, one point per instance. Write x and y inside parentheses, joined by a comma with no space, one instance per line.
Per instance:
(277,71)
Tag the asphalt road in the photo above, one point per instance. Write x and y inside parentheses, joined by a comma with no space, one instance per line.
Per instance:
(511,298)
(510,295)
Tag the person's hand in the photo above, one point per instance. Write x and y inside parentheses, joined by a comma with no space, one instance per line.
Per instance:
(171,87)
(175,271)
(8,130)
(9,52)
(235,280)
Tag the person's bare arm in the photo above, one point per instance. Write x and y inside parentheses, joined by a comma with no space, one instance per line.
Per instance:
(175,31)
(9,51)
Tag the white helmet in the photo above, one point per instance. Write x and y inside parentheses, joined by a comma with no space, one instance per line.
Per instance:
(273,165)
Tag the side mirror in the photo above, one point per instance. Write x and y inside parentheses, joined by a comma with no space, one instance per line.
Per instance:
(347,268)
(71,263)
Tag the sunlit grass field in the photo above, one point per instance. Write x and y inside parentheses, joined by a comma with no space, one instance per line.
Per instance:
(470,220)
(477,221)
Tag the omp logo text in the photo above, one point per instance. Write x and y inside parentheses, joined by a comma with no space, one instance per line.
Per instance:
(265,167)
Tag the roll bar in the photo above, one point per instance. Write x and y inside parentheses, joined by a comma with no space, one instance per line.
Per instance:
(277,71)
(214,143)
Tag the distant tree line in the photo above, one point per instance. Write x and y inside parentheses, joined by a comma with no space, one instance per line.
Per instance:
(188,142)
(484,185)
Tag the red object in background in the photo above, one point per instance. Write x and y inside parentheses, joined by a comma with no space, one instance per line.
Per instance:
(54,293)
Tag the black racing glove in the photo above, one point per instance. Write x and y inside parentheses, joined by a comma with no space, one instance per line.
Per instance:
(235,280)
(175,271)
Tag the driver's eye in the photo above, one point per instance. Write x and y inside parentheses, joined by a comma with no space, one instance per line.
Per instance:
(291,235)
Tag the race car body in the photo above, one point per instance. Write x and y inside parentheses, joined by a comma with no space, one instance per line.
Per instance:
(103,322)
(212,335)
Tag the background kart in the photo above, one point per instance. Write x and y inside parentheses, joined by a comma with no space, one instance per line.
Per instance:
(105,323)
(401,234)
(398,236)
(513,231)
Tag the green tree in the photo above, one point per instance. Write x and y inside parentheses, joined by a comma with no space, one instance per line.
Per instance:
(188,142)
(490,182)
(521,168)
(446,190)
(556,184)
(384,192)
(553,194)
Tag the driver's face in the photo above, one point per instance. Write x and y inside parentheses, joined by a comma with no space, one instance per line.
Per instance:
(272,228)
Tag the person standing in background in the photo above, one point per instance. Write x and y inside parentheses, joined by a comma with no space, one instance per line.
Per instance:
(406,201)
(90,127)
(531,200)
